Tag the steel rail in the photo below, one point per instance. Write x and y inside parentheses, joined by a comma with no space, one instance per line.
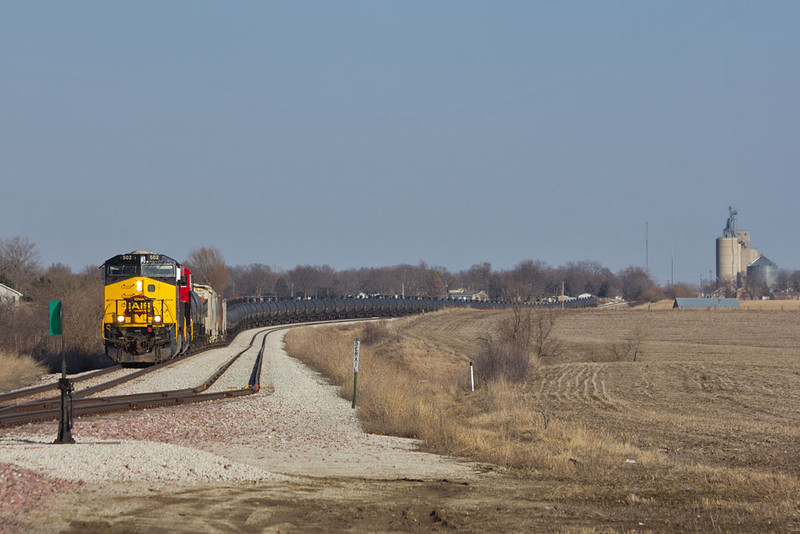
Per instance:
(221,371)
(53,386)
(51,408)
(32,405)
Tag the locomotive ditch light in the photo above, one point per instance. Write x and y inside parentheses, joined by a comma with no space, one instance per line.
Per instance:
(120,318)
(157,318)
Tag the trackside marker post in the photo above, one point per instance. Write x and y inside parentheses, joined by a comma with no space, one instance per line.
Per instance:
(471,377)
(356,347)
(64,383)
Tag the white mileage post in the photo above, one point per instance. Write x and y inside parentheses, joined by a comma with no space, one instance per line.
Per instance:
(356,347)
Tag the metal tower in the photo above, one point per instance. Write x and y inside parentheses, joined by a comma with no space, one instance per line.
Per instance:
(730,228)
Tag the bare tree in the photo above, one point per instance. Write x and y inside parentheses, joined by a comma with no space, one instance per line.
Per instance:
(19,261)
(435,285)
(477,277)
(255,279)
(681,289)
(783,281)
(531,329)
(638,286)
(208,267)
(533,275)
(630,347)
(517,330)
(586,277)
(794,281)
(544,342)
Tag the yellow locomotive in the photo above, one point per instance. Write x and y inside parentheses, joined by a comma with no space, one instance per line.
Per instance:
(148,308)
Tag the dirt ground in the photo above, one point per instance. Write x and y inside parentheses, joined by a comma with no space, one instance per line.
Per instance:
(488,503)
(715,394)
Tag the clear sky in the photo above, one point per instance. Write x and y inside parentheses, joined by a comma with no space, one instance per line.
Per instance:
(382,132)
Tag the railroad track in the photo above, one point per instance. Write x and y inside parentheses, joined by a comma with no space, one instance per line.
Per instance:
(38,391)
(84,403)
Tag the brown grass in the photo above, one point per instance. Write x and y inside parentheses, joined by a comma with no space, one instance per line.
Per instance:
(701,431)
(770,305)
(18,371)
(751,305)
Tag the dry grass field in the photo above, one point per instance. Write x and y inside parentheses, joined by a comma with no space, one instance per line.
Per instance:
(18,371)
(700,433)
(749,305)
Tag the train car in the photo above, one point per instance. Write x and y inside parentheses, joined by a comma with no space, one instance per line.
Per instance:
(213,311)
(148,308)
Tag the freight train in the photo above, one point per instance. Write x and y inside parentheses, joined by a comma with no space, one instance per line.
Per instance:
(153,311)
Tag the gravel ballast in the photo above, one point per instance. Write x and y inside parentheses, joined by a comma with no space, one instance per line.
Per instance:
(297,427)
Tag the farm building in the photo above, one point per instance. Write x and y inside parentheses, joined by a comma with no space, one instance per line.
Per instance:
(705,303)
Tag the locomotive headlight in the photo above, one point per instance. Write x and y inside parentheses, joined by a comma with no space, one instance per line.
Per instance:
(138,285)
(157,318)
(120,318)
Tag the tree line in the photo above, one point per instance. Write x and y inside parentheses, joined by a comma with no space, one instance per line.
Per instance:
(24,329)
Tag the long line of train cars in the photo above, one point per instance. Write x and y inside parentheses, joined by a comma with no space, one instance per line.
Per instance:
(154,312)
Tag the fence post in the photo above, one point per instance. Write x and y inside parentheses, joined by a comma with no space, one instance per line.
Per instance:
(356,347)
(471,377)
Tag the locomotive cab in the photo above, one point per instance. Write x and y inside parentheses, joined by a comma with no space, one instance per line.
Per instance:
(144,319)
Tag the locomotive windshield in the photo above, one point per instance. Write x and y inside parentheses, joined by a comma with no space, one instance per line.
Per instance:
(121,270)
(158,270)
(149,265)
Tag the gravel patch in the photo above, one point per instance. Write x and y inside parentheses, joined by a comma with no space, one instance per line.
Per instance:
(95,461)
(22,490)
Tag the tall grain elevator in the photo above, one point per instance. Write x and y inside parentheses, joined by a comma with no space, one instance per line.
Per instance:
(733,252)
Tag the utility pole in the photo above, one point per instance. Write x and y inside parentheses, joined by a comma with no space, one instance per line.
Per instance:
(672,268)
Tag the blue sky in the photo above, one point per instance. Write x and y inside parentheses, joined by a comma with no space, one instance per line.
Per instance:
(376,133)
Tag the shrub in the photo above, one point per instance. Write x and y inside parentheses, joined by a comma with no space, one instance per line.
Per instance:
(628,348)
(502,361)
(374,332)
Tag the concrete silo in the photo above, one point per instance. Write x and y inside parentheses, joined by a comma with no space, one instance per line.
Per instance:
(729,258)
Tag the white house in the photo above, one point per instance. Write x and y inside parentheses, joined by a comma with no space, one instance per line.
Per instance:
(9,295)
